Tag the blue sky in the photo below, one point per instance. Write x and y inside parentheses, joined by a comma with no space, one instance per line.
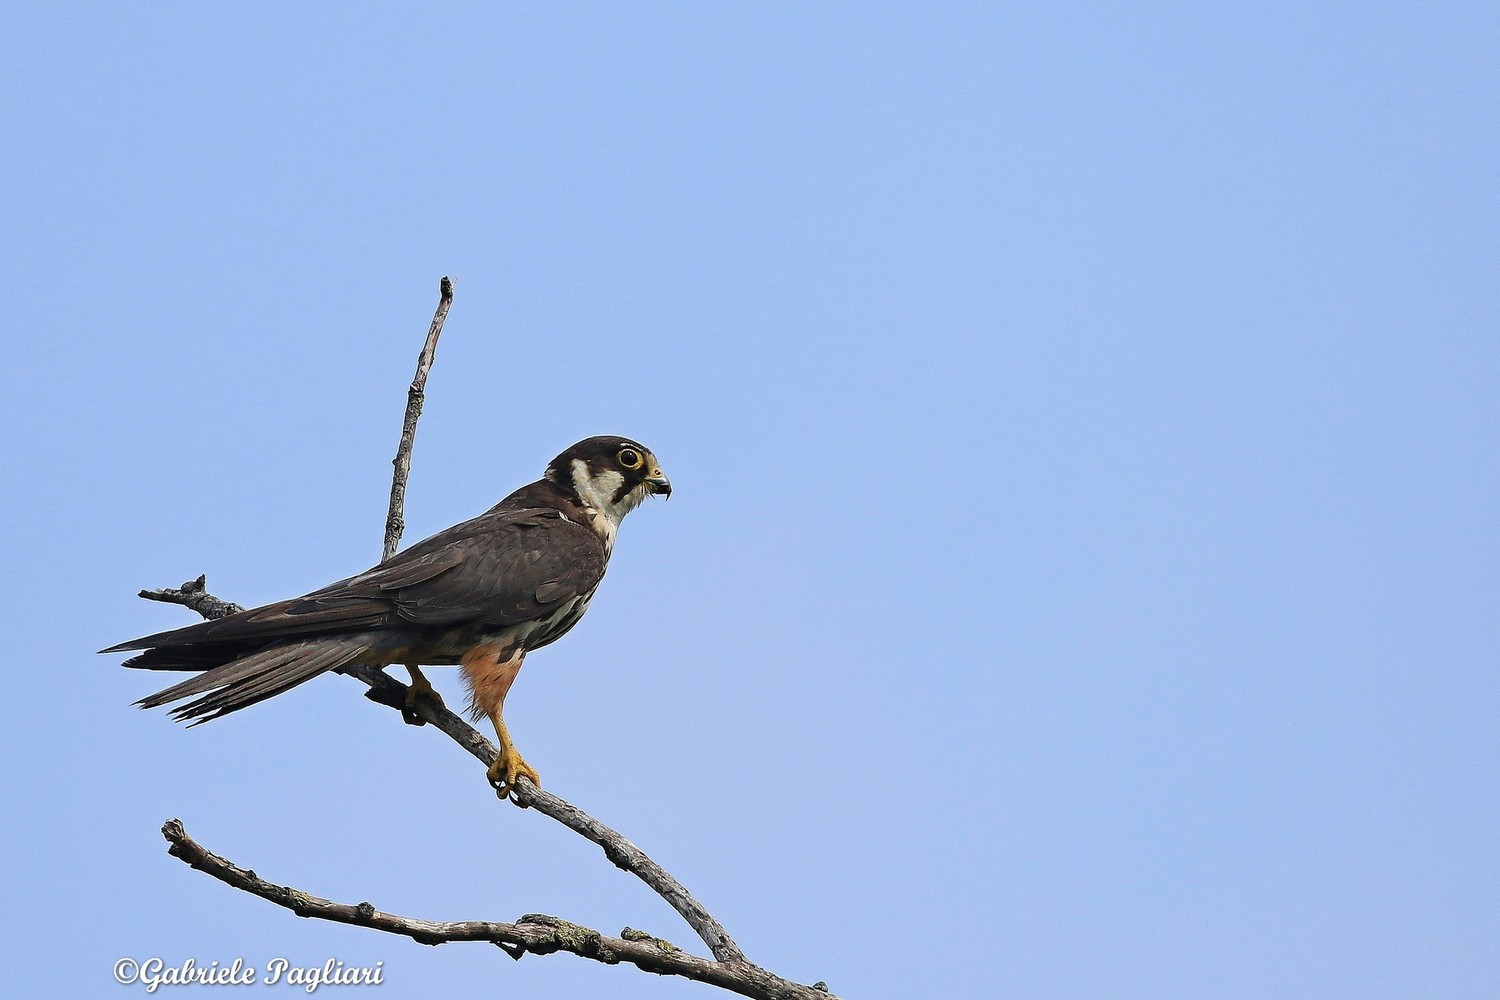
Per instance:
(1081,575)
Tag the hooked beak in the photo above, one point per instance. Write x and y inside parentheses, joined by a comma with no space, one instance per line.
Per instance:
(659,485)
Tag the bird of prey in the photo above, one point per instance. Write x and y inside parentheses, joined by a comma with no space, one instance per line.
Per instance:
(481,594)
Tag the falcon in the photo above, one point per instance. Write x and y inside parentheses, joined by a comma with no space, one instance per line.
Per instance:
(481,594)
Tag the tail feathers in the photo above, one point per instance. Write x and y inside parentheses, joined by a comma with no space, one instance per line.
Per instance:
(256,677)
(187,657)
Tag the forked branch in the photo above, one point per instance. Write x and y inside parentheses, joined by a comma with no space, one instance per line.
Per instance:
(535,933)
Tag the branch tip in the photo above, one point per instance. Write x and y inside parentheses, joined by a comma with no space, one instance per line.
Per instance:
(394,525)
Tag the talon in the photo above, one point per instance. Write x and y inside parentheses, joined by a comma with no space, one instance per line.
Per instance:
(507,767)
(419,689)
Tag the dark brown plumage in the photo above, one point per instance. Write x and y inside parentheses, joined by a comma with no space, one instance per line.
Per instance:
(482,594)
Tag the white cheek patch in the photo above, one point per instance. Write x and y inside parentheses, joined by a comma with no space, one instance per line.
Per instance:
(596,491)
(598,494)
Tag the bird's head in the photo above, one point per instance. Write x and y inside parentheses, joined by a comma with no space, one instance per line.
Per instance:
(613,475)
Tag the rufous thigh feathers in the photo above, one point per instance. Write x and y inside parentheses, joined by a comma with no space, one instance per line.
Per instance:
(490,670)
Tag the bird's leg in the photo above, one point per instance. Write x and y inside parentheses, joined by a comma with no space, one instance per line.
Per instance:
(420,688)
(490,670)
(509,765)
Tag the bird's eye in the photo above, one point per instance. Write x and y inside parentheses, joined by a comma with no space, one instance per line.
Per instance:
(629,458)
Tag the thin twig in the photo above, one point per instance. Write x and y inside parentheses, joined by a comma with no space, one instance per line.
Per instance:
(395,521)
(194,594)
(536,933)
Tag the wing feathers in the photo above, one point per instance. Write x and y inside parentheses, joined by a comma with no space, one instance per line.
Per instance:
(507,567)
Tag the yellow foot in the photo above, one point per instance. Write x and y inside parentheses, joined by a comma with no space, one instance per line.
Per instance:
(507,768)
(420,689)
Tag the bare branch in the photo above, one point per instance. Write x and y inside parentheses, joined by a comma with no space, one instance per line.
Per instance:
(536,933)
(194,594)
(621,852)
(395,521)
(625,855)
(386,690)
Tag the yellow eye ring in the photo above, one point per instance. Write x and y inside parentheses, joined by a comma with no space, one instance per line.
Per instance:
(629,458)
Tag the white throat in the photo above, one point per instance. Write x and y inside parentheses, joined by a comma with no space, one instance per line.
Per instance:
(598,496)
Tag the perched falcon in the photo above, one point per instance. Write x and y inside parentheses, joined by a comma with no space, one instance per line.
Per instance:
(481,594)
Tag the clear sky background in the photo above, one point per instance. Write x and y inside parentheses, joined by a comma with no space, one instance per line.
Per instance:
(1081,576)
